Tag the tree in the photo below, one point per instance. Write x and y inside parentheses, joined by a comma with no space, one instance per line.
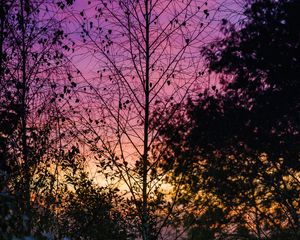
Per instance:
(146,60)
(241,138)
(44,182)
(9,119)
(88,211)
(32,55)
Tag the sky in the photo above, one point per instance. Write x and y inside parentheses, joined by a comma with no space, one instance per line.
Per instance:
(102,88)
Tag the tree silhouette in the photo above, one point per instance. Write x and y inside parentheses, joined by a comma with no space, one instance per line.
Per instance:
(32,60)
(241,138)
(45,190)
(88,210)
(145,62)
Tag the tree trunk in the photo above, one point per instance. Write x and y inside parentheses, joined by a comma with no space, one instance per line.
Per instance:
(27,176)
(145,217)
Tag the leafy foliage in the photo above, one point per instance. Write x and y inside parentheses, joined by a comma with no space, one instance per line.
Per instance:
(244,134)
(36,83)
(88,208)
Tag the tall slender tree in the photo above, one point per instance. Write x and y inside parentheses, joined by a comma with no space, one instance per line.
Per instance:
(146,58)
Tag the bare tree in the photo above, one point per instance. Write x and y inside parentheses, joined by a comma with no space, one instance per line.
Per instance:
(146,58)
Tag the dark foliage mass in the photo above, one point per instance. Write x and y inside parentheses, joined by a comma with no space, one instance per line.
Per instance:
(263,60)
(245,132)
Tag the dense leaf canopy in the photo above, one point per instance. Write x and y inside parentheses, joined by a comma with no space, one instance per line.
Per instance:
(243,135)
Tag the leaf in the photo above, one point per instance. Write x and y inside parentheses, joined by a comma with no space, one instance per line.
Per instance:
(206,13)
